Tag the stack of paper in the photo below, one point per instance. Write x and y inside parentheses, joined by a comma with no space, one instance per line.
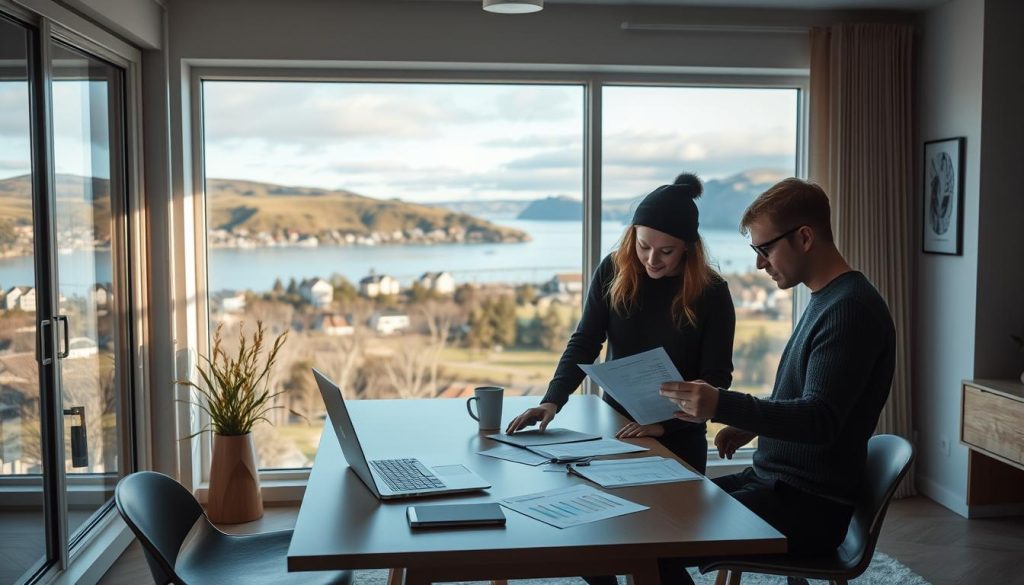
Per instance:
(586,449)
(639,471)
(536,437)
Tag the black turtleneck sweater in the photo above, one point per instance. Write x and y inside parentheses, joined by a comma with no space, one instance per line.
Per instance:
(701,351)
(833,380)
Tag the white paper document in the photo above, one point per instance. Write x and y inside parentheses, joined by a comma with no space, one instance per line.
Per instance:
(634,382)
(586,449)
(566,507)
(515,454)
(640,471)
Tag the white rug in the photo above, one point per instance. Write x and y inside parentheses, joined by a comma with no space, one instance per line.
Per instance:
(884,570)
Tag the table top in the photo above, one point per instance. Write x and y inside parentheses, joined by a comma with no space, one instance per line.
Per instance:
(341,525)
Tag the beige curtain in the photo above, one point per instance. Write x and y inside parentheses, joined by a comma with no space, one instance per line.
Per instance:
(861,153)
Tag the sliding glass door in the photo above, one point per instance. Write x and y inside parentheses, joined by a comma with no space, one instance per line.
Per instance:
(86,158)
(65,320)
(23,513)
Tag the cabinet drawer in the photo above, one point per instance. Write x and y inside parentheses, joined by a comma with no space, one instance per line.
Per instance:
(994,423)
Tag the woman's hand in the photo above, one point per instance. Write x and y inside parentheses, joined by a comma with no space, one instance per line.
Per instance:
(729,439)
(633,430)
(542,414)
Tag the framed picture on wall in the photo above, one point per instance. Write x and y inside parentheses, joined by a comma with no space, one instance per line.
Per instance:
(943,197)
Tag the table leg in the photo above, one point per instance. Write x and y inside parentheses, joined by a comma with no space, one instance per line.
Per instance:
(646,573)
(416,577)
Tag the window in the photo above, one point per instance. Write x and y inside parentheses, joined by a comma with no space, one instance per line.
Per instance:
(739,141)
(417,239)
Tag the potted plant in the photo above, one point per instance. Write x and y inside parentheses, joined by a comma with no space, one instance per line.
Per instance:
(234,391)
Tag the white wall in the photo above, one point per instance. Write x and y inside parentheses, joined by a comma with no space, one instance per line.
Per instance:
(138,21)
(949,103)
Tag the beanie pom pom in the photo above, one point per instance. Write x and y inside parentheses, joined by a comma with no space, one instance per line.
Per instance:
(691,181)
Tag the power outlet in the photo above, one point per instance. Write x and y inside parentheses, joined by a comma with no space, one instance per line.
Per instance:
(944,446)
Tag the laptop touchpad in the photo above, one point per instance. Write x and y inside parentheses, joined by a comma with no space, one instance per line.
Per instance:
(450,470)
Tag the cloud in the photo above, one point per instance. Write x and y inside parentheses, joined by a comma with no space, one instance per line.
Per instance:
(22,166)
(14,113)
(534,141)
(297,114)
(537,103)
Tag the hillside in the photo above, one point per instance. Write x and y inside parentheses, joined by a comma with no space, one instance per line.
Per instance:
(247,207)
(235,205)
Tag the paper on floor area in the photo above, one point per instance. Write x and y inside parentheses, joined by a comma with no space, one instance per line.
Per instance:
(573,506)
(587,449)
(515,454)
(634,382)
(639,471)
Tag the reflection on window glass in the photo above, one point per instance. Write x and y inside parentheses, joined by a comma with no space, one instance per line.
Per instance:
(416,240)
(739,141)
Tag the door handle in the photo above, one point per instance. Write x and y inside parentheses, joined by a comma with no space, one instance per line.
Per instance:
(67,342)
(79,437)
(44,342)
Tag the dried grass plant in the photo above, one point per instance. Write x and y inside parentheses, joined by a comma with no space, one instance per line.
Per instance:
(235,390)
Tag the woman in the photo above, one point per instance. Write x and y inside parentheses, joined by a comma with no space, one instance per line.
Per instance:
(656,290)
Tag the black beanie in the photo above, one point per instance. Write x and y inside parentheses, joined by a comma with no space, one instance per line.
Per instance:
(670,208)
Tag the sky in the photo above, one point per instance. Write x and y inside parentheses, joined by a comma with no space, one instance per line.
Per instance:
(447,142)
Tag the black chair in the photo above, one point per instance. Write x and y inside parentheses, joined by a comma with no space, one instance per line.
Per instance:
(162,514)
(889,458)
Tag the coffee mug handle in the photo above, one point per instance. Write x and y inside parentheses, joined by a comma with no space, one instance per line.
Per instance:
(470,410)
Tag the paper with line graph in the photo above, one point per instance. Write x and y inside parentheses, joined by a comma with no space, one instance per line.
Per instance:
(573,506)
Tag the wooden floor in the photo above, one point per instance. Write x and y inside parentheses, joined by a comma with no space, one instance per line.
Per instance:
(937,544)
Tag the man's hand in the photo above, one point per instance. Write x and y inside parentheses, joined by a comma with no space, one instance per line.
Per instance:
(542,414)
(729,439)
(633,430)
(697,400)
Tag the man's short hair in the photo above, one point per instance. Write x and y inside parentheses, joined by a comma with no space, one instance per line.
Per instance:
(792,203)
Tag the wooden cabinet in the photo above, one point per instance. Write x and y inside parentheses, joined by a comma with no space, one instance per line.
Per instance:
(992,426)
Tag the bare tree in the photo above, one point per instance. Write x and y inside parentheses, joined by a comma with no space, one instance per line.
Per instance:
(439,318)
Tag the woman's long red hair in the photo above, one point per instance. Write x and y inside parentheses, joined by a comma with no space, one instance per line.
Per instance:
(697,276)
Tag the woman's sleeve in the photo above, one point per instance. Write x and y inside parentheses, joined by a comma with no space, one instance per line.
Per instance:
(585,343)
(719,332)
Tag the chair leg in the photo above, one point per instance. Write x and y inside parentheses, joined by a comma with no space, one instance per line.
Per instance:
(735,577)
(839,582)
(722,578)
(396,576)
(499,582)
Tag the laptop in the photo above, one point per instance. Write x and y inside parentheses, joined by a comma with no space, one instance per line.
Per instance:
(388,479)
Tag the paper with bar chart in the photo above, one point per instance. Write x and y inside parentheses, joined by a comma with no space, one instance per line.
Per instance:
(573,506)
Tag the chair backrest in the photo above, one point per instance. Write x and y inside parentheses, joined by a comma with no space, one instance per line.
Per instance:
(889,458)
(161,512)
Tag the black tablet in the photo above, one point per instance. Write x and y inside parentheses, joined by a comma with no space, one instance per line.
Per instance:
(455,515)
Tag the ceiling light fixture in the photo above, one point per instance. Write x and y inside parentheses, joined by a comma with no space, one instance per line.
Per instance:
(513,6)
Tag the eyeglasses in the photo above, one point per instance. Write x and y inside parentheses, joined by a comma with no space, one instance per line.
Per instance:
(763,249)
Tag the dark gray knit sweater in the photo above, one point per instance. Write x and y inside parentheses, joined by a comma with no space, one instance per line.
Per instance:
(700,351)
(832,383)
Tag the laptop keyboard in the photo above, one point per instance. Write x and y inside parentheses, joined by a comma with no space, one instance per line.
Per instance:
(406,475)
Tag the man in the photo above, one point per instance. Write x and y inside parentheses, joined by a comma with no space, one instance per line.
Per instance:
(831,385)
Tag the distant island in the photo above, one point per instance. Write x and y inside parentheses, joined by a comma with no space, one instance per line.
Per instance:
(721,206)
(243,213)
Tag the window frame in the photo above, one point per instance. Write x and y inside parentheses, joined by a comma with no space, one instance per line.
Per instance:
(288,484)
